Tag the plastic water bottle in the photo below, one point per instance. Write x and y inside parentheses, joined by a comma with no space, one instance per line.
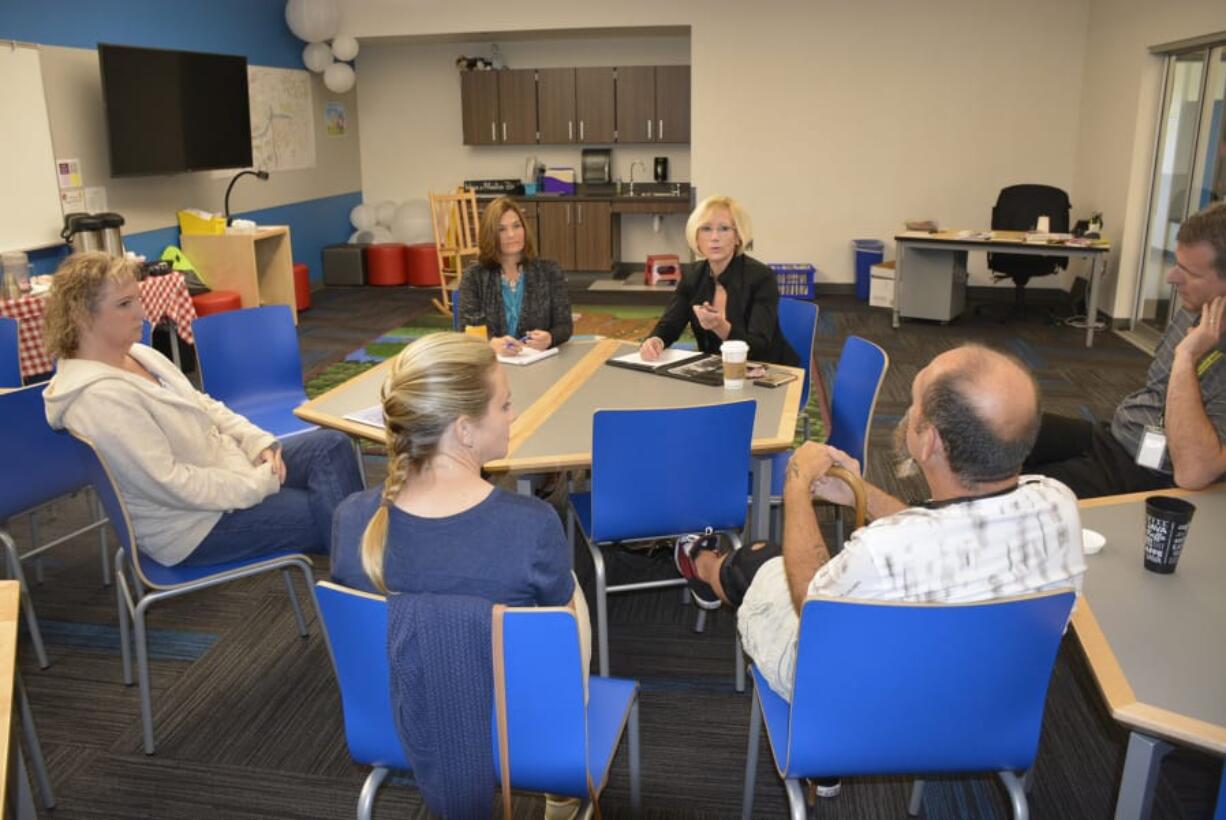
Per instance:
(16,274)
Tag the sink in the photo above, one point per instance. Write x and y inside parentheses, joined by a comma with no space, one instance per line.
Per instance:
(654,189)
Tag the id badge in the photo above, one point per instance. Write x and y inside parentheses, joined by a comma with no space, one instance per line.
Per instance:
(1153,448)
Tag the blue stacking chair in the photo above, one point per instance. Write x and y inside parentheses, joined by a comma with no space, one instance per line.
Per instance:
(557,744)
(39,465)
(10,358)
(660,474)
(249,360)
(146,333)
(938,689)
(151,582)
(798,322)
(455,310)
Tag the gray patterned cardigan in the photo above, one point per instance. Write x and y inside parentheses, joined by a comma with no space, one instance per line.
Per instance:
(546,303)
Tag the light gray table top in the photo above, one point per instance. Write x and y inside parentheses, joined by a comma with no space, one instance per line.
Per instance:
(1165,631)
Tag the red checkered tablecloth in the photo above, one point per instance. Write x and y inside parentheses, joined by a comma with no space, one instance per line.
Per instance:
(163,297)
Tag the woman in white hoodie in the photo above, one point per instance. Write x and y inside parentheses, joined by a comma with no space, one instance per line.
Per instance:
(203,485)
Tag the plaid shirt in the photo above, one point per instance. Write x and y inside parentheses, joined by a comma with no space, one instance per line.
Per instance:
(1146,406)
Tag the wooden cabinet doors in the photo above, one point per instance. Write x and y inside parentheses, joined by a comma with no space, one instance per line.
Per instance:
(479,107)
(555,96)
(636,104)
(556,230)
(594,105)
(672,103)
(593,236)
(517,106)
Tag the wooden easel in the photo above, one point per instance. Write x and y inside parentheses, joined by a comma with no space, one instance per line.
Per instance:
(455,240)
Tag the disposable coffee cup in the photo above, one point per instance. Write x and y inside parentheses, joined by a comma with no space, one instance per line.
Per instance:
(1166,528)
(1043,224)
(734,354)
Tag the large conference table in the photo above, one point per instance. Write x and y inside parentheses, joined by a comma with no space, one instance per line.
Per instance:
(556,397)
(949,242)
(1154,642)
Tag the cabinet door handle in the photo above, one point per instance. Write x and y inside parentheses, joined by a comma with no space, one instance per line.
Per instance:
(504,132)
(579,211)
(660,132)
(580,130)
(493,132)
(649,129)
(570,130)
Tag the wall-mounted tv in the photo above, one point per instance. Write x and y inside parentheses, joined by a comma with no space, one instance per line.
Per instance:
(174,111)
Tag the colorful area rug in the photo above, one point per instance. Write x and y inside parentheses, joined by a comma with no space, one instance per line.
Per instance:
(630,322)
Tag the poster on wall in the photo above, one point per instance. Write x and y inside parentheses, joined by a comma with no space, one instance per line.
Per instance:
(334,119)
(282,118)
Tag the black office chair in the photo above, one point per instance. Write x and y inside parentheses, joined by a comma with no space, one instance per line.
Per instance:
(1018,208)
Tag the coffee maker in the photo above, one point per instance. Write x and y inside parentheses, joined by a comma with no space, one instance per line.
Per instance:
(661,169)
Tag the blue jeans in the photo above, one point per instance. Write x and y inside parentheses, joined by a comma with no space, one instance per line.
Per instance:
(321,471)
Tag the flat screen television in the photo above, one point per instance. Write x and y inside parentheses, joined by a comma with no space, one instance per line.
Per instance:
(174,111)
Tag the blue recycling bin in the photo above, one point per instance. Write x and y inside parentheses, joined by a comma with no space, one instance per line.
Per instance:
(869,252)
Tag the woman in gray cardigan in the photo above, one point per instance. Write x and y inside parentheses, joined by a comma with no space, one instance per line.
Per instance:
(519,299)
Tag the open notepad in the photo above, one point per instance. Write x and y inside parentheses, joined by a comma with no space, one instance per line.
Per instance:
(669,357)
(372,416)
(527,355)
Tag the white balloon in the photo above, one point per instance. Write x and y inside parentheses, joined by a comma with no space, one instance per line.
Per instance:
(344,47)
(313,20)
(317,57)
(385,211)
(381,234)
(339,77)
(412,223)
(361,237)
(362,217)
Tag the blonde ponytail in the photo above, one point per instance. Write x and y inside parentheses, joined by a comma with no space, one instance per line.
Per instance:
(434,381)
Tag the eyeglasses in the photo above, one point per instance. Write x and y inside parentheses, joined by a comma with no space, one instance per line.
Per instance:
(719,229)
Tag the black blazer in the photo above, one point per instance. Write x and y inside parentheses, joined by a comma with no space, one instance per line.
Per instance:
(752,310)
(546,304)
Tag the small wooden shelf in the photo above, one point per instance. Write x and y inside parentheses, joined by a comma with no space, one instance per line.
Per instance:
(258,265)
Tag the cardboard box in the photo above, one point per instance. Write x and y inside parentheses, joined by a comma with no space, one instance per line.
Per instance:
(881,285)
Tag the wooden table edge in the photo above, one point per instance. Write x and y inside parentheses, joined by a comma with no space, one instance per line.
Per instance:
(10,592)
(1128,498)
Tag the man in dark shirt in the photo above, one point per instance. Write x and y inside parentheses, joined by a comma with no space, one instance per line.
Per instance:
(1171,431)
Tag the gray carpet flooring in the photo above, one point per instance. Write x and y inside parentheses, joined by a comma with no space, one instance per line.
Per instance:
(248,716)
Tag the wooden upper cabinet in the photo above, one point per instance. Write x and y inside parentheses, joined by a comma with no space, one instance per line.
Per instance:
(555,96)
(594,105)
(672,103)
(636,104)
(517,106)
(479,107)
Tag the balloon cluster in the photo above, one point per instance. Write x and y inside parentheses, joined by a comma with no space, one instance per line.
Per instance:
(407,222)
(317,22)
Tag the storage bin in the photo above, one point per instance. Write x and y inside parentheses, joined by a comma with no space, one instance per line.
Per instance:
(868,253)
(795,281)
(197,222)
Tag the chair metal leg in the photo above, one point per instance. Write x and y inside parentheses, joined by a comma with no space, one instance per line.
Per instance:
(751,756)
(636,798)
(96,515)
(35,540)
(27,605)
(797,808)
(916,803)
(293,603)
(37,762)
(1028,780)
(366,800)
(1017,795)
(700,619)
(123,604)
(357,453)
(20,801)
(142,672)
(740,664)
(602,610)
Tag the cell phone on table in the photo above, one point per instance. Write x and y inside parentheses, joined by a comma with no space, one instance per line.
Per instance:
(774,379)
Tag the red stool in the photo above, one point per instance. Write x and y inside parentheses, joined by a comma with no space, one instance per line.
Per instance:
(385,264)
(302,286)
(216,301)
(423,265)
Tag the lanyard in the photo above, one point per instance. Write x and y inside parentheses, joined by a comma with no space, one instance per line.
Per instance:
(1206,363)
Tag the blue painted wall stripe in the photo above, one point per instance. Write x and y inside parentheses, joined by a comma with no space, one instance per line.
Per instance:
(255,29)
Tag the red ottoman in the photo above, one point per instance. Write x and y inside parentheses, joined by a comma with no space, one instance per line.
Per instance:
(385,264)
(216,301)
(423,265)
(302,286)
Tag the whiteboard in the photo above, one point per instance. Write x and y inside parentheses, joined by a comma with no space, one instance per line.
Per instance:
(29,190)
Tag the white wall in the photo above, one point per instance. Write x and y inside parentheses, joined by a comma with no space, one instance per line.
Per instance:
(829,120)
(411,140)
(1120,100)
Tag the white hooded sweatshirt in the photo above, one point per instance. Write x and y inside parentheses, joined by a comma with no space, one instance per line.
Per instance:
(180,458)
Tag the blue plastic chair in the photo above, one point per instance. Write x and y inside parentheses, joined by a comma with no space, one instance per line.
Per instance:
(455,310)
(798,322)
(555,742)
(10,358)
(249,360)
(938,688)
(151,582)
(146,333)
(39,465)
(634,453)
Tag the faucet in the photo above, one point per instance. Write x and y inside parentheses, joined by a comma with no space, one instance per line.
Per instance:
(640,164)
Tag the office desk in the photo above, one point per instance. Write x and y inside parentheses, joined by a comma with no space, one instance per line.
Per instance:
(556,397)
(1154,642)
(1002,242)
